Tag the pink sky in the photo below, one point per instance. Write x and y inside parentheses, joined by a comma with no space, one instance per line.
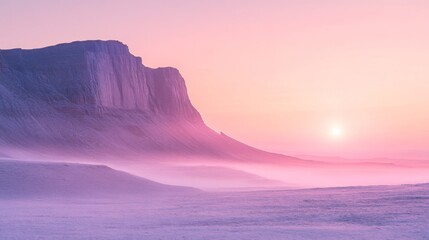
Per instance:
(275,74)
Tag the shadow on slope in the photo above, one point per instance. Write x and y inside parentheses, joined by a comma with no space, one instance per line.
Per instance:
(40,179)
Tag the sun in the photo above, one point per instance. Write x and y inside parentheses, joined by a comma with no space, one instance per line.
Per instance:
(336,132)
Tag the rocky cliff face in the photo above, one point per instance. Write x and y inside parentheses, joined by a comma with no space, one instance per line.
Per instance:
(94,97)
(96,75)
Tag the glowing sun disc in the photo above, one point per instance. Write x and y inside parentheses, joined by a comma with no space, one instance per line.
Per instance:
(336,132)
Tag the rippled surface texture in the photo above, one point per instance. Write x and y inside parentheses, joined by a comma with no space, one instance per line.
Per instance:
(341,213)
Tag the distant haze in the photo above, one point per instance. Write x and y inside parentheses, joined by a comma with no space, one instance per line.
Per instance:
(279,75)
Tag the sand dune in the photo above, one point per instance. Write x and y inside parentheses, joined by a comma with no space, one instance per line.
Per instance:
(40,179)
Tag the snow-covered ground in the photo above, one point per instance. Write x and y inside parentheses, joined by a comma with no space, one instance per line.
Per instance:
(384,212)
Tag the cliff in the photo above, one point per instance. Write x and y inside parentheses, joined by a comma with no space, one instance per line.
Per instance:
(96,98)
(96,75)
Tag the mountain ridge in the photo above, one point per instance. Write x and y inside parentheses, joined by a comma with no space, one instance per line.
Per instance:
(100,74)
(92,97)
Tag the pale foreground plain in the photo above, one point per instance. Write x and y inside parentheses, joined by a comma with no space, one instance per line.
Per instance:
(381,212)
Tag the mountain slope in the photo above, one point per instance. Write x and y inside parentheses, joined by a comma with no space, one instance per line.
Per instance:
(95,98)
(37,179)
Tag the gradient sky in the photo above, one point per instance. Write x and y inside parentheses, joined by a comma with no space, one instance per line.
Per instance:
(278,75)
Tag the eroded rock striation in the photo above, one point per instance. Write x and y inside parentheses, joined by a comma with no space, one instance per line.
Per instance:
(95,75)
(95,97)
